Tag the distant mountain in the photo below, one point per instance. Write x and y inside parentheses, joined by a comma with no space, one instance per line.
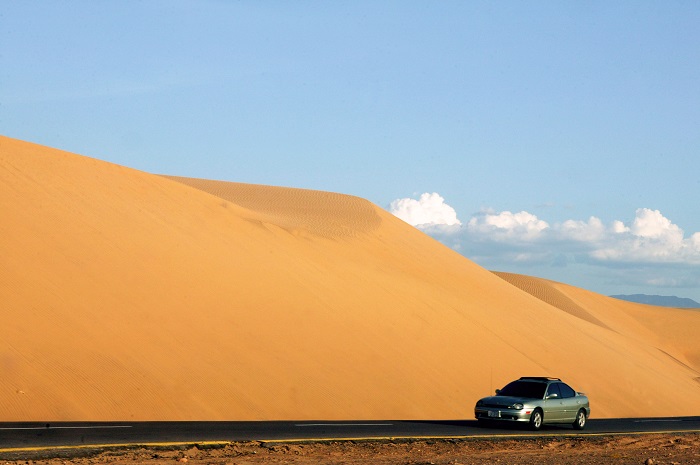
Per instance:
(660,300)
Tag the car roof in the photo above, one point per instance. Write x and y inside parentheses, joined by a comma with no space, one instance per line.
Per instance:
(538,378)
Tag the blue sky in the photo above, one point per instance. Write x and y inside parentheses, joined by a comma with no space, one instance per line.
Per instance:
(564,137)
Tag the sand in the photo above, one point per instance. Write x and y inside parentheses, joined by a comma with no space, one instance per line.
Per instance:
(132,296)
(654,449)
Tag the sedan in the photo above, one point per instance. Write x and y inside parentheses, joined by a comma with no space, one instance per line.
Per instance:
(535,401)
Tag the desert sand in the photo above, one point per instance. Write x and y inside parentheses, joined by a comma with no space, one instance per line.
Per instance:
(133,296)
(655,449)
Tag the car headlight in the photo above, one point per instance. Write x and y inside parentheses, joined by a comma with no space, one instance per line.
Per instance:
(517,406)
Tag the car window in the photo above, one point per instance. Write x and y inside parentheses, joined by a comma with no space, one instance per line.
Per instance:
(554,389)
(566,391)
(529,389)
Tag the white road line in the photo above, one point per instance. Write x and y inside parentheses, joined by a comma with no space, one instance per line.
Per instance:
(65,427)
(344,424)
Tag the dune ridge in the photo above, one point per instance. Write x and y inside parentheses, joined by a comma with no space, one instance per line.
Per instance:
(324,214)
(672,331)
(546,291)
(129,295)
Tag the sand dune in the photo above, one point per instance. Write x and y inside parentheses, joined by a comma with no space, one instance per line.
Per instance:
(672,331)
(128,295)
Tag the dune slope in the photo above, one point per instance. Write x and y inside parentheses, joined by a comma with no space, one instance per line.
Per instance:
(127,295)
(673,331)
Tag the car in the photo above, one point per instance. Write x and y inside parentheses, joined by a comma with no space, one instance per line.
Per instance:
(535,401)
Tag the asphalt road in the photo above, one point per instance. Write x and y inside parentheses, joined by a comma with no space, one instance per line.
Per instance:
(14,436)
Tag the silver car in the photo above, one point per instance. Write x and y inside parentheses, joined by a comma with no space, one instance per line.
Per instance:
(536,401)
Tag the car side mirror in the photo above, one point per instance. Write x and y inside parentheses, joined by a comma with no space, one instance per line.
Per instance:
(552,396)
(498,391)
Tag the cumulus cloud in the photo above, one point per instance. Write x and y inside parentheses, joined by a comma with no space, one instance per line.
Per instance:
(649,238)
(429,209)
(585,231)
(522,225)
(652,224)
(634,255)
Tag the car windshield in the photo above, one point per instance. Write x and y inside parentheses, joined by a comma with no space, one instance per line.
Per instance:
(529,389)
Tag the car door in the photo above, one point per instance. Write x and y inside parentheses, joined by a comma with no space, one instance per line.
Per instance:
(569,401)
(553,405)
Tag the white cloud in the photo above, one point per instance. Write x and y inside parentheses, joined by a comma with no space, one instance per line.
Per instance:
(652,224)
(429,209)
(695,241)
(647,253)
(522,225)
(619,227)
(585,231)
(649,238)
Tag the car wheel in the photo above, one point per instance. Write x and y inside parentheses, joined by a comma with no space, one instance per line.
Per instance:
(536,420)
(580,421)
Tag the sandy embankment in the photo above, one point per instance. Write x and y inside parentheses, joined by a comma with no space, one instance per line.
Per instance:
(655,449)
(127,295)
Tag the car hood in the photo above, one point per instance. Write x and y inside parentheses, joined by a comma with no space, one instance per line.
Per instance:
(505,400)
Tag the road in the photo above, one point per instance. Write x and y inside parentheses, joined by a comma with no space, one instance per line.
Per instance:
(14,436)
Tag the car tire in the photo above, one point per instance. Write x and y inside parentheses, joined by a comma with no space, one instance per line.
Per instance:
(580,421)
(536,420)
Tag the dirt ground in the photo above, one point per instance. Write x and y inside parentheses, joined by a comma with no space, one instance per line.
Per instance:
(628,449)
